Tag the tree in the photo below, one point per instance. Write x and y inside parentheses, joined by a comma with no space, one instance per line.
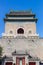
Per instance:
(1,51)
(1,54)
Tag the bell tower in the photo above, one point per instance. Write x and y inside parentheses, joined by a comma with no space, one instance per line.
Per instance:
(20,23)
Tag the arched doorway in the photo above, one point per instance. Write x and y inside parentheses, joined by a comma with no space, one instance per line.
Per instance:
(20,31)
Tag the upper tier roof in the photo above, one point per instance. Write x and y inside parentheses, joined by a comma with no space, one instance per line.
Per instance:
(20,14)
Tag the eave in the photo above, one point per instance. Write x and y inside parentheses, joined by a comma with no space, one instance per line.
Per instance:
(20,15)
(10,20)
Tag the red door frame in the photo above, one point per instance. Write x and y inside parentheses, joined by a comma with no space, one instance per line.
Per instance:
(18,60)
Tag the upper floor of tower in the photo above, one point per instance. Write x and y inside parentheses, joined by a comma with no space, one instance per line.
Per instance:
(20,23)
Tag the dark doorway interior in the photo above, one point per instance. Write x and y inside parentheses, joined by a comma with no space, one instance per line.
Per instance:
(8,63)
(32,63)
(20,31)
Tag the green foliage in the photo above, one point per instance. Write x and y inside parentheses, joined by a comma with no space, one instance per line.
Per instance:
(1,51)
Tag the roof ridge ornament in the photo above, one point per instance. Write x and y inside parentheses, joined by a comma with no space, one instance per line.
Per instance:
(11,11)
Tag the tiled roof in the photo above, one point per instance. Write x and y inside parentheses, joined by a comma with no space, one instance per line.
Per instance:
(20,53)
(7,58)
(20,13)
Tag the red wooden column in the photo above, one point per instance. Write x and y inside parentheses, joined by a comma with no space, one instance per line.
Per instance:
(17,61)
(23,61)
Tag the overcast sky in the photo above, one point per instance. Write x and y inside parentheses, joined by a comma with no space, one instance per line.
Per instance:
(35,5)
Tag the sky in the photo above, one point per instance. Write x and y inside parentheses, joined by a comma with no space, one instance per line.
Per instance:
(17,5)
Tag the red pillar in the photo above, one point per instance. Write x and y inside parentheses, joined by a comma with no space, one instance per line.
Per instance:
(23,61)
(17,61)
